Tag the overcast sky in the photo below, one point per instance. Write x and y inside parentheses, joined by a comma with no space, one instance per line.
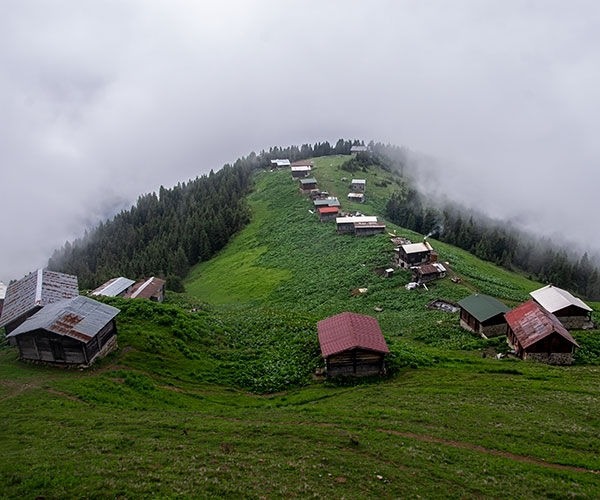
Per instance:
(101,101)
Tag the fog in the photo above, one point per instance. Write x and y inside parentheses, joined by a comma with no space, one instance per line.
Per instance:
(105,100)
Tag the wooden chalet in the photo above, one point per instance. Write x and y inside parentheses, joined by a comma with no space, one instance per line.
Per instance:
(352,344)
(308,185)
(116,287)
(484,315)
(368,228)
(356,197)
(152,289)
(328,213)
(425,273)
(413,254)
(358,149)
(536,334)
(301,169)
(572,312)
(73,331)
(358,185)
(346,224)
(36,290)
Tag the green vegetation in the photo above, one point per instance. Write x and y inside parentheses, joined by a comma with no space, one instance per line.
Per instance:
(212,395)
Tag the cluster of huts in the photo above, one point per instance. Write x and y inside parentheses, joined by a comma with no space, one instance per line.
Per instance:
(537,329)
(45,316)
(420,258)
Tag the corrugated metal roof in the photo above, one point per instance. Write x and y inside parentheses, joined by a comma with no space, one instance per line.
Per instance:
(554,299)
(359,181)
(281,162)
(146,289)
(331,201)
(361,224)
(39,288)
(113,287)
(303,163)
(80,318)
(358,149)
(310,180)
(482,307)
(352,220)
(434,268)
(417,247)
(2,290)
(531,323)
(301,168)
(349,331)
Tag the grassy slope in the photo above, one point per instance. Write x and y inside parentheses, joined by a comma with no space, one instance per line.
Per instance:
(165,416)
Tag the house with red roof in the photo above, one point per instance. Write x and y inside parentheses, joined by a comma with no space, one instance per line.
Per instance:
(328,213)
(352,344)
(534,333)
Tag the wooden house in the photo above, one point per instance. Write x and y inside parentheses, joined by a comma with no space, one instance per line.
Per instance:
(352,344)
(359,185)
(2,295)
(358,149)
(307,185)
(368,228)
(425,273)
(328,213)
(572,312)
(152,289)
(413,254)
(36,290)
(536,334)
(116,287)
(73,331)
(356,197)
(280,163)
(484,315)
(301,171)
(346,224)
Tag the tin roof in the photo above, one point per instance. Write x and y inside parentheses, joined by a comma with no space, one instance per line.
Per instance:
(303,163)
(146,289)
(352,220)
(359,181)
(349,331)
(328,210)
(531,323)
(310,180)
(80,318)
(113,287)
(434,268)
(362,224)
(417,247)
(37,289)
(2,290)
(554,299)
(301,168)
(358,149)
(482,307)
(330,201)
(281,163)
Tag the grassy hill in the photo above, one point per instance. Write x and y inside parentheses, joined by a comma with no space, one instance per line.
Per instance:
(211,394)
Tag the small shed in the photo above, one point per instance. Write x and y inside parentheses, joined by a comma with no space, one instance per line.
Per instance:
(73,331)
(484,315)
(571,311)
(152,289)
(413,254)
(428,272)
(116,287)
(368,228)
(359,185)
(352,344)
(356,197)
(307,185)
(346,224)
(534,333)
(328,213)
(29,294)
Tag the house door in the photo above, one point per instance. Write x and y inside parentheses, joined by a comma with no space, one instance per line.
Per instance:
(58,351)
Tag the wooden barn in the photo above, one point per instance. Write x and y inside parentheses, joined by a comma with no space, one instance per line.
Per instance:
(359,185)
(300,171)
(484,315)
(346,224)
(368,228)
(413,254)
(352,344)
(356,197)
(72,331)
(536,334)
(152,289)
(428,272)
(36,290)
(308,185)
(328,213)
(572,312)
(116,287)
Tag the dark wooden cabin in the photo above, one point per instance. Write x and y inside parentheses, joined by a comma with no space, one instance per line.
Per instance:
(428,272)
(484,315)
(73,332)
(359,185)
(31,293)
(368,228)
(537,334)
(308,185)
(328,213)
(352,344)
(347,224)
(571,311)
(152,289)
(413,254)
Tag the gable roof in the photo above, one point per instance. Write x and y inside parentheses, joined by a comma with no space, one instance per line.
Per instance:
(113,287)
(80,318)
(531,323)
(146,289)
(354,219)
(482,307)
(330,201)
(303,163)
(349,331)
(281,162)
(2,290)
(37,289)
(417,247)
(328,210)
(301,168)
(358,149)
(358,181)
(310,180)
(554,299)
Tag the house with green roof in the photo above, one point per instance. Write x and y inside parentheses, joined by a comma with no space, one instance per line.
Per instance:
(484,315)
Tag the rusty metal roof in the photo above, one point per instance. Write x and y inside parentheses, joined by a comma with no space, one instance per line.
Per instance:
(554,299)
(80,318)
(37,289)
(146,289)
(113,287)
(531,323)
(350,331)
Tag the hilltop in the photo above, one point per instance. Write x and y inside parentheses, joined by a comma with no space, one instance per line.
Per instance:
(211,394)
